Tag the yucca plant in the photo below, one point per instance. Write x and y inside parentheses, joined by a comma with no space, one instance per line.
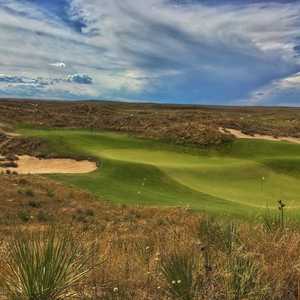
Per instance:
(244,278)
(271,221)
(180,272)
(229,238)
(45,265)
(220,236)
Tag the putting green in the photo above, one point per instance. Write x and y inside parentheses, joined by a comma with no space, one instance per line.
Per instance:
(238,179)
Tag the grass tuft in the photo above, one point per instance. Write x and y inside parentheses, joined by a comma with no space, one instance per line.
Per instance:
(44,266)
(180,272)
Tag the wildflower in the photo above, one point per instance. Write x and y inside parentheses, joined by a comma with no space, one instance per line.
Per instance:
(173,282)
(158,287)
(179,281)
(115,289)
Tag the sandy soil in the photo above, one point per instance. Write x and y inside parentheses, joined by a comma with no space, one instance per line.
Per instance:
(240,135)
(32,165)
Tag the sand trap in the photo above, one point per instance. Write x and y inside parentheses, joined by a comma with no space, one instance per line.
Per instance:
(240,135)
(32,165)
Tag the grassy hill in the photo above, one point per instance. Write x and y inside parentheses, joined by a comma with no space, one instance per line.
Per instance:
(239,179)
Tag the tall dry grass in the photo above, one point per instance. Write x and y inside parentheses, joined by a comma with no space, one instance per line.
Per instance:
(173,255)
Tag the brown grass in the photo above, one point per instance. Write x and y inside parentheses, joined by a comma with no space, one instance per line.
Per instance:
(230,261)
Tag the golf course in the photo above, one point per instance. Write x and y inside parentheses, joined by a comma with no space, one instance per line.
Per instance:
(241,178)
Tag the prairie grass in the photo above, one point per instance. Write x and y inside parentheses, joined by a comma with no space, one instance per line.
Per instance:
(144,253)
(190,257)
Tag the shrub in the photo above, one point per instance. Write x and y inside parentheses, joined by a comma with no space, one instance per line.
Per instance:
(50,193)
(44,266)
(34,204)
(220,236)
(29,192)
(244,279)
(24,216)
(43,216)
(180,272)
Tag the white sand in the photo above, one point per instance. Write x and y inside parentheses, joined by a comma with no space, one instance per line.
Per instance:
(240,135)
(32,165)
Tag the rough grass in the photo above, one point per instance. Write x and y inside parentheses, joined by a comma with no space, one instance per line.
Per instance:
(175,256)
(142,253)
(239,179)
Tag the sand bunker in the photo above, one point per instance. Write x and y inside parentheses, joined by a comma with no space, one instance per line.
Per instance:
(240,135)
(32,165)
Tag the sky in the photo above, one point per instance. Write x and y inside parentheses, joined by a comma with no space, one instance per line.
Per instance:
(233,52)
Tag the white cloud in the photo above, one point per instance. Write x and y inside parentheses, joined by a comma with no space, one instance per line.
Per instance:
(58,65)
(133,46)
(277,89)
(80,78)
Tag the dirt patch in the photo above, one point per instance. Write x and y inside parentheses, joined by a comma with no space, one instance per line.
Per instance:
(32,165)
(241,135)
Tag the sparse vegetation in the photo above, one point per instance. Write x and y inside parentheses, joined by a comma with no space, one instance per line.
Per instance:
(139,256)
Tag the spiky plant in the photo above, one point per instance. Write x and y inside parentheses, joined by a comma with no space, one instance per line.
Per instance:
(271,221)
(220,236)
(179,270)
(244,278)
(45,265)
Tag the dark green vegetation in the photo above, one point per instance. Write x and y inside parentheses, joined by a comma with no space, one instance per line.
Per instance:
(241,178)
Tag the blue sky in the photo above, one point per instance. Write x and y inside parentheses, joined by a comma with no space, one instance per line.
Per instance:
(236,52)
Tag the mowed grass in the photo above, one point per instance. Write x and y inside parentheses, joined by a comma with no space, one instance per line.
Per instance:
(240,179)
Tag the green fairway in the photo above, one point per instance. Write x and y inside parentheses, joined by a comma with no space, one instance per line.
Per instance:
(240,179)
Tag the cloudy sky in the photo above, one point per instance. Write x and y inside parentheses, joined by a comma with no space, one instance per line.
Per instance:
(183,51)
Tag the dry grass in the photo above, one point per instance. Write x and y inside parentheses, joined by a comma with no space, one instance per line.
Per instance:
(147,253)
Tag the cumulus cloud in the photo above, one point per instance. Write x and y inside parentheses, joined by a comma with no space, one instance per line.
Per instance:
(21,80)
(80,78)
(69,87)
(152,49)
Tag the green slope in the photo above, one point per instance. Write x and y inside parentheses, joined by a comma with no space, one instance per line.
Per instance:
(226,181)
